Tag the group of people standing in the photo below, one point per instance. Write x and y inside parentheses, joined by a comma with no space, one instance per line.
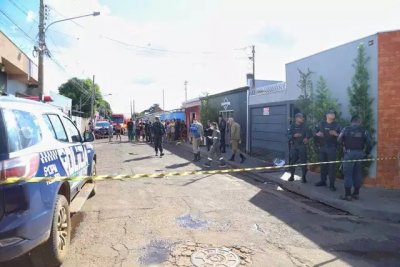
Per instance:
(215,134)
(329,137)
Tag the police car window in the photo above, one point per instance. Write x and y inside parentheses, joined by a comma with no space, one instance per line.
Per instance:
(58,128)
(72,131)
(22,129)
(49,125)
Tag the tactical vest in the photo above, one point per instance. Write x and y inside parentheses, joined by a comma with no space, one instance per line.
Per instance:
(328,139)
(301,129)
(354,138)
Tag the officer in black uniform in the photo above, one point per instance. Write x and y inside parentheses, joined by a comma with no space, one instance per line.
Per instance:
(327,134)
(357,145)
(298,135)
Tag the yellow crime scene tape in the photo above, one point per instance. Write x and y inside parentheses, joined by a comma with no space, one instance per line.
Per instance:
(12,180)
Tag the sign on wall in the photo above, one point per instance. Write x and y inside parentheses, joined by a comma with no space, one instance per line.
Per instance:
(266,111)
(226,103)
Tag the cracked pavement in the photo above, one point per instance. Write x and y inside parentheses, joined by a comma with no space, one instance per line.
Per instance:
(146,222)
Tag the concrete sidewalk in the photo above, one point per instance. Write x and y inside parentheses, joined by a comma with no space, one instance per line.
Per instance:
(374,203)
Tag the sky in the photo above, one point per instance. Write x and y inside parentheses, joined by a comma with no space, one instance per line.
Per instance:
(139,48)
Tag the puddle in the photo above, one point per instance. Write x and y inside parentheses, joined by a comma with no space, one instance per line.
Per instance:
(187,221)
(157,252)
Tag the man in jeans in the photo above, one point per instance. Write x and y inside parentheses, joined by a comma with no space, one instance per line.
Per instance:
(197,135)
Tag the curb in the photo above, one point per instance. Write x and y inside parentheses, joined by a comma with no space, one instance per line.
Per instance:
(357,210)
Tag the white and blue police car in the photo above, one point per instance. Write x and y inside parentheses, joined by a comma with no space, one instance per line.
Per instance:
(38,140)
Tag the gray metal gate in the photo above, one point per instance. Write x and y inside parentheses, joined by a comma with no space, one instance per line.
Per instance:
(268,131)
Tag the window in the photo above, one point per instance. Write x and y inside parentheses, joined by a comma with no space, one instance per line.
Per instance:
(72,131)
(58,128)
(22,129)
(49,125)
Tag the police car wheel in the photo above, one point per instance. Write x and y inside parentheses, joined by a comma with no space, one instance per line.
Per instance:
(54,250)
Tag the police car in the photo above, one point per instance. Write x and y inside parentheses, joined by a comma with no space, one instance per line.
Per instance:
(37,140)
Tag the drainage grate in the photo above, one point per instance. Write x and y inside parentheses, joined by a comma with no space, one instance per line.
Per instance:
(210,257)
(207,255)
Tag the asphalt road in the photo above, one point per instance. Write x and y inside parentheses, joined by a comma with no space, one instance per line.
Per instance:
(166,221)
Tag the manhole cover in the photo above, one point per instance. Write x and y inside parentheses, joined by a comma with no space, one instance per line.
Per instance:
(215,257)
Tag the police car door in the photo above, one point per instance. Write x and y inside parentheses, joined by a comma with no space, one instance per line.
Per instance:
(76,160)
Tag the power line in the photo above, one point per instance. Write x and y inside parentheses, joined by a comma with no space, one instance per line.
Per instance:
(21,9)
(16,25)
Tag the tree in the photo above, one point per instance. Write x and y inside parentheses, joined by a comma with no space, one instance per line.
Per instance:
(360,100)
(305,101)
(155,108)
(81,92)
(324,101)
(207,113)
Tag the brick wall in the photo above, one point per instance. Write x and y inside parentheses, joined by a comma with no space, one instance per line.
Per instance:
(388,172)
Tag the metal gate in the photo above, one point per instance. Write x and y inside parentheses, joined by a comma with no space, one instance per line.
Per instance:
(268,131)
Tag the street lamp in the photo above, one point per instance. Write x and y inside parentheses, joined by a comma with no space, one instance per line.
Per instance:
(72,18)
(42,42)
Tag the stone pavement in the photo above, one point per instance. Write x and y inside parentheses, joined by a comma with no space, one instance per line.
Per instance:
(374,203)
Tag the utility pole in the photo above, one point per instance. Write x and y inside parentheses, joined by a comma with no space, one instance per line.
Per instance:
(186,82)
(92,100)
(163,100)
(41,48)
(253,58)
(134,112)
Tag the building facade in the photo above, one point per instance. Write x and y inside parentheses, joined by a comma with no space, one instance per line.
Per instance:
(192,111)
(229,104)
(18,73)
(336,66)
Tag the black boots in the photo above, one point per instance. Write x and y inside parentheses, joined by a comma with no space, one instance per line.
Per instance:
(196,157)
(243,158)
(347,195)
(356,193)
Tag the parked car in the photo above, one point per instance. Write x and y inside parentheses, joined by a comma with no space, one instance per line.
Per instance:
(38,140)
(101,129)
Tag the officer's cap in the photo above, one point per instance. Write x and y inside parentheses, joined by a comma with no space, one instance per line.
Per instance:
(299,115)
(355,118)
(331,111)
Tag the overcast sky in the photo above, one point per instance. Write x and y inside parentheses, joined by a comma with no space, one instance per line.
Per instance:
(138,48)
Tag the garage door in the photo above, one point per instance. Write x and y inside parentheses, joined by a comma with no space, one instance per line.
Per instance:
(268,132)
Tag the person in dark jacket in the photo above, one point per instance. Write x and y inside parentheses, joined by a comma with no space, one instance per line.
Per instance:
(357,144)
(298,135)
(327,134)
(130,130)
(208,133)
(222,129)
(158,132)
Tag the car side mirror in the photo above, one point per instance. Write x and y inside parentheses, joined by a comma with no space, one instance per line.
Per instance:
(88,137)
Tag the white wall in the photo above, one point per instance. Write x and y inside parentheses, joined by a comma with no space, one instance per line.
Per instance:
(336,66)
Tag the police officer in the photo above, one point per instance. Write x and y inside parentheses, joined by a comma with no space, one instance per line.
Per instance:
(158,132)
(298,135)
(357,145)
(327,134)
